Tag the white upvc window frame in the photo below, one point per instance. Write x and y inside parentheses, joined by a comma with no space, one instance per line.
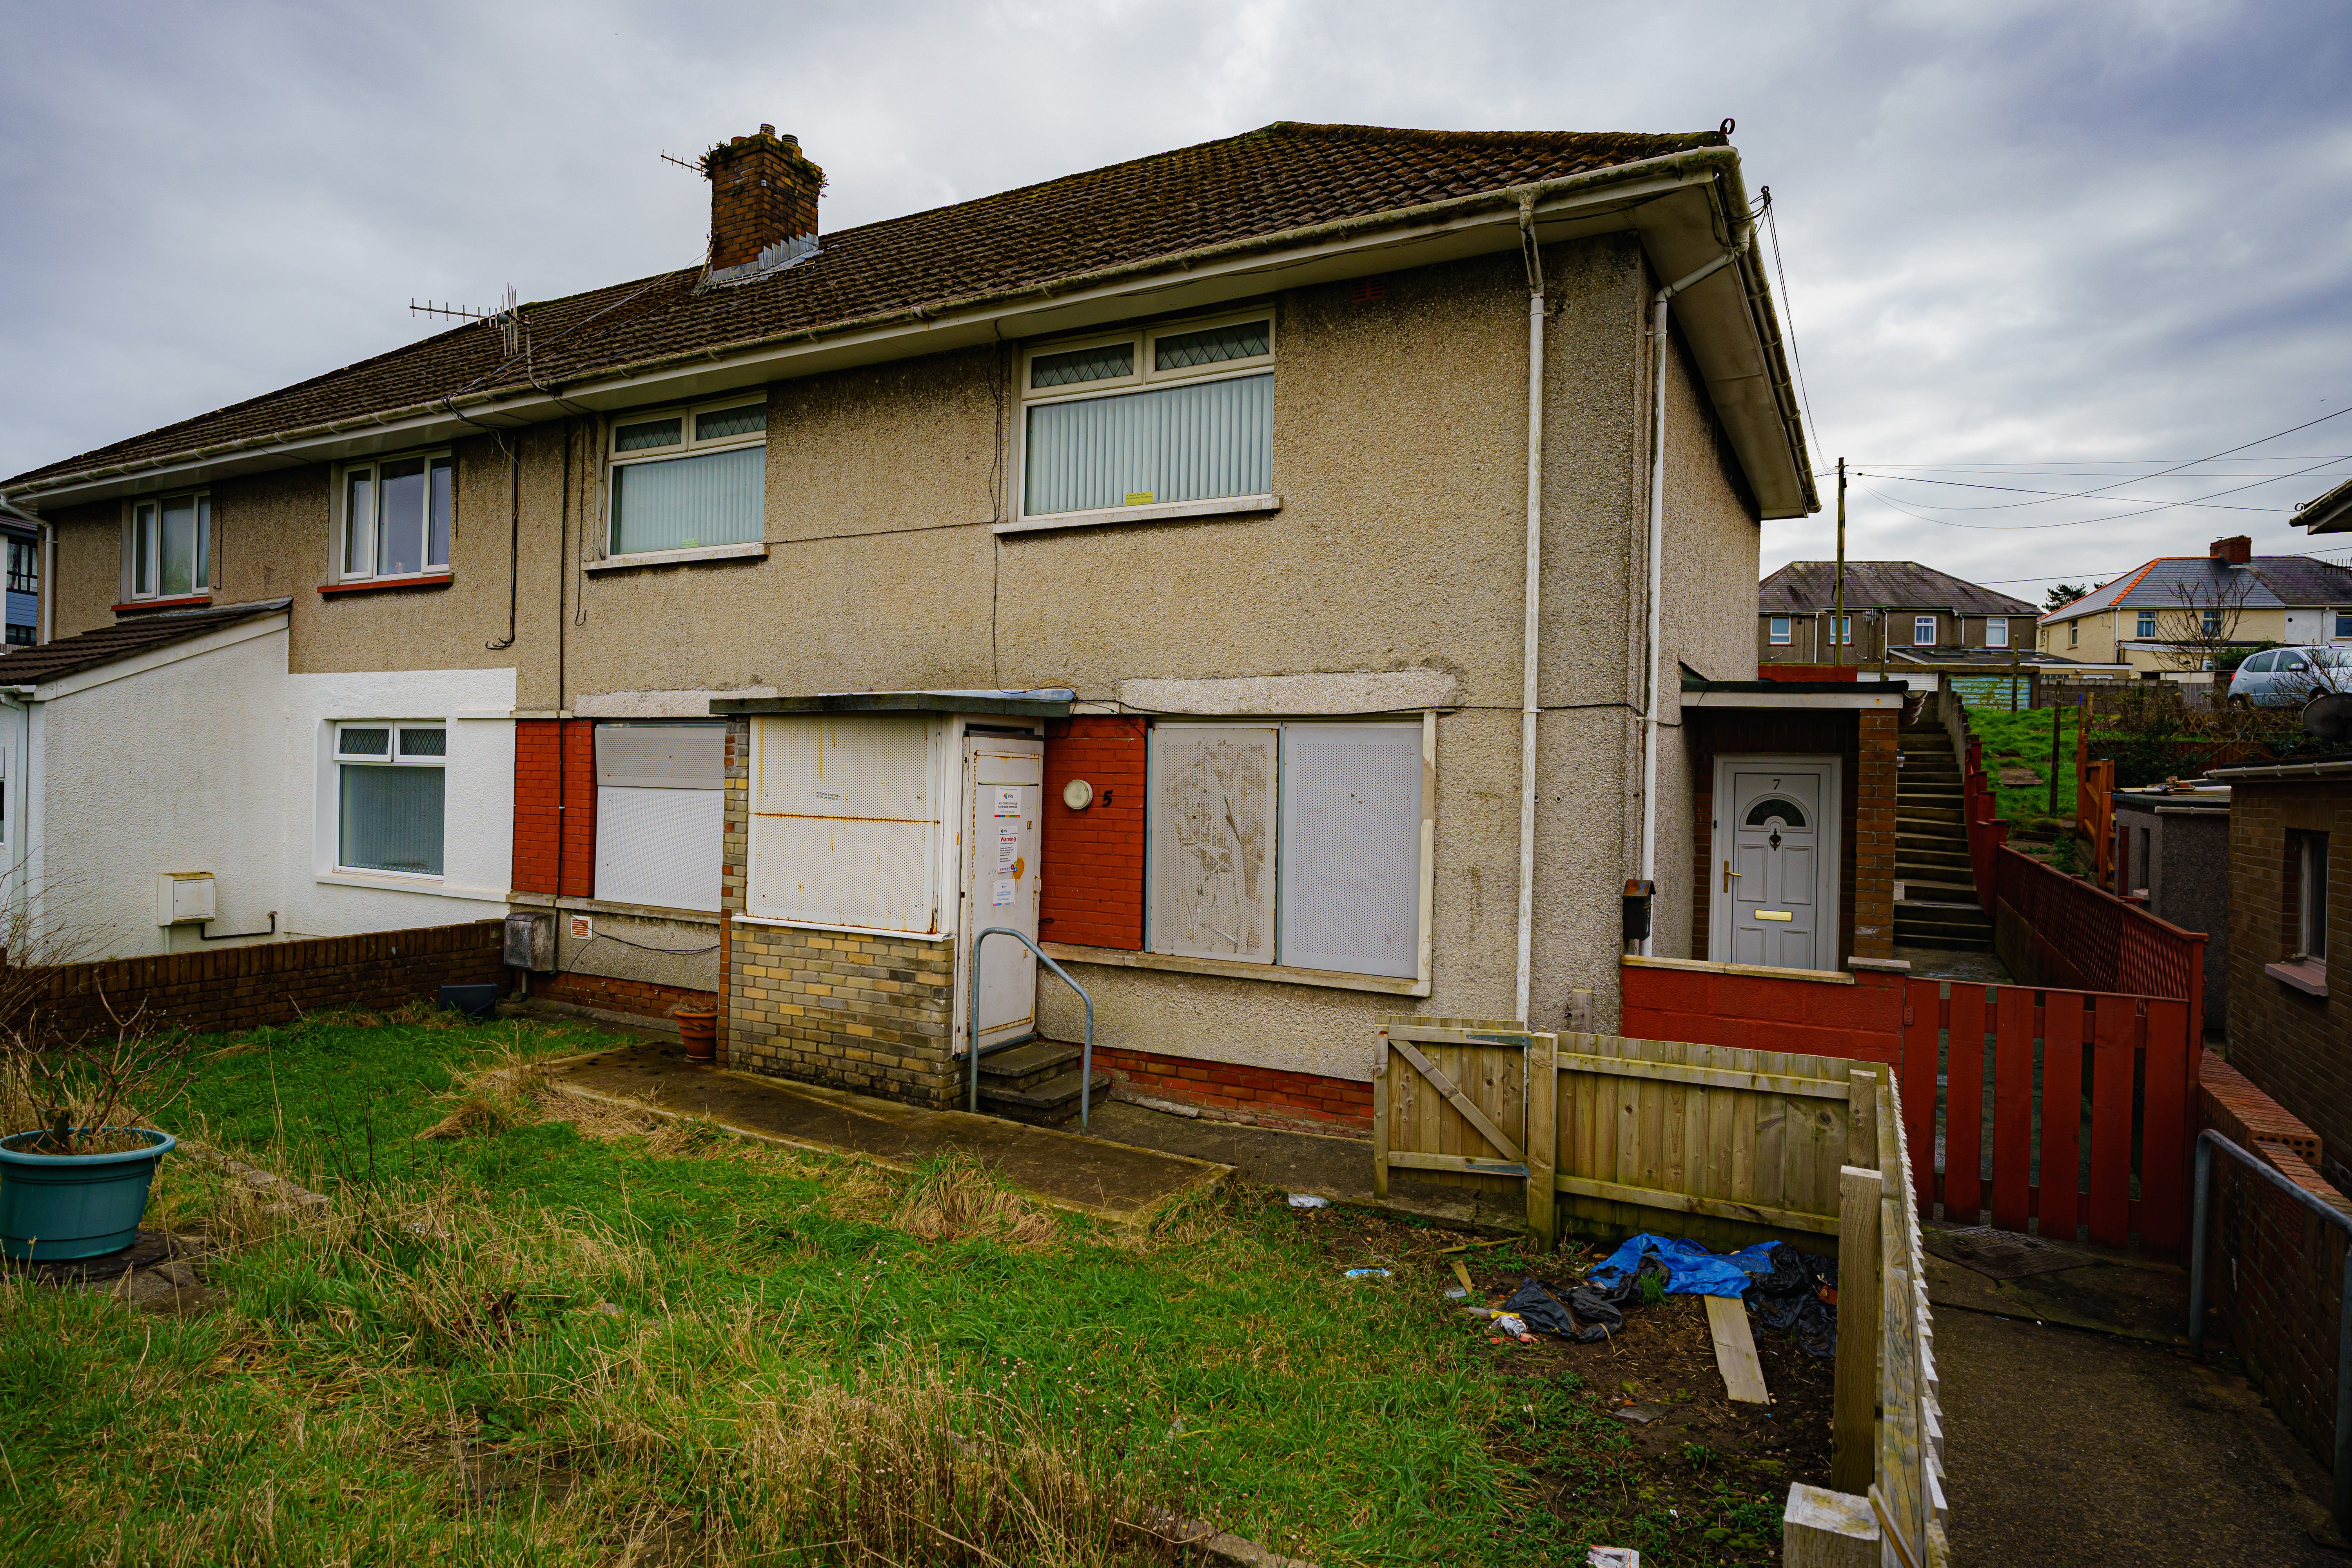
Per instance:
(1143,376)
(1931,623)
(687,446)
(1996,624)
(340,538)
(143,547)
(2143,624)
(395,755)
(1780,631)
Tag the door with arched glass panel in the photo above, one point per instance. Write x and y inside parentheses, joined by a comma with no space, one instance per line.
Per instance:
(1775,857)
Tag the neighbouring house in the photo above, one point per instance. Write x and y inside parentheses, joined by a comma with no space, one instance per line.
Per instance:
(1893,610)
(2169,617)
(2290,887)
(22,624)
(2172,850)
(1145,561)
(2329,512)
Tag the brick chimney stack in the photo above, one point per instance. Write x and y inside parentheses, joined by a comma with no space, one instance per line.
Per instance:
(762,197)
(2237,550)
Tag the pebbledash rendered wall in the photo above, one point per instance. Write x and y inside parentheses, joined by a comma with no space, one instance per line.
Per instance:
(856,1010)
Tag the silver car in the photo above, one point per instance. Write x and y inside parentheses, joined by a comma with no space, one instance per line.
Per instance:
(2290,677)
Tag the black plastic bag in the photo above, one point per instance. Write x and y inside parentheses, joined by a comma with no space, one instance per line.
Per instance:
(1588,1313)
(1790,1298)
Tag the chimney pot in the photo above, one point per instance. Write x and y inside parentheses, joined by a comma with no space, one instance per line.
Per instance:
(767,130)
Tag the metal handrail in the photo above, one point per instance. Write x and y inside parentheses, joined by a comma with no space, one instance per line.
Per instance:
(972,1029)
(2207,1141)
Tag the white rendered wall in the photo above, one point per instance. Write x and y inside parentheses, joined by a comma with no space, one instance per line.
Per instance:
(162,767)
(477,837)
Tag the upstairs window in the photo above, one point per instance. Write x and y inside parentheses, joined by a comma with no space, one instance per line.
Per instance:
(685,479)
(1923,631)
(1781,633)
(390,794)
(170,546)
(1181,413)
(1842,628)
(2309,868)
(23,624)
(2343,624)
(398,516)
(2211,622)
(2073,633)
(1995,631)
(2147,625)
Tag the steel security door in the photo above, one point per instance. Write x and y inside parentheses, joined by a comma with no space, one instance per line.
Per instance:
(1007,778)
(1774,849)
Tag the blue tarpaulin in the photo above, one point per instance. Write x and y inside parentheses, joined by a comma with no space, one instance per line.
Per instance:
(1691,1269)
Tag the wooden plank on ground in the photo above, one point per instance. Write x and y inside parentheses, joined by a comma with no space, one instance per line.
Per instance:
(2164,1149)
(2012,1106)
(1964,1107)
(1735,1350)
(2113,1025)
(2057,1203)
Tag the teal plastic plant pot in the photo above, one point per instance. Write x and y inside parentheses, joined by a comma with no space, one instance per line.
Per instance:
(74,1205)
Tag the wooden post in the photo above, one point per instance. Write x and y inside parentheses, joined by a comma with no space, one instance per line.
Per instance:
(1580,1011)
(1854,1415)
(1543,1139)
(1380,1122)
(1823,1528)
(1861,1117)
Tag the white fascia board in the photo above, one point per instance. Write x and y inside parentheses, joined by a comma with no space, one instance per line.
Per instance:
(156,659)
(1614,200)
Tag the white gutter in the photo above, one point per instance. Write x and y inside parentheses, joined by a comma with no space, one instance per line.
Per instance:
(1527,656)
(1658,345)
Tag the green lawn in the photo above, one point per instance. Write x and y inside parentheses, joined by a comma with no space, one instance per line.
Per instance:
(2022,740)
(531,1344)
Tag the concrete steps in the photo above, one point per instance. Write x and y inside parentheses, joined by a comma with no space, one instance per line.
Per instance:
(1939,906)
(1036,1082)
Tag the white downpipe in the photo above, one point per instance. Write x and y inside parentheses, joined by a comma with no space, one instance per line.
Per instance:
(1528,655)
(1658,346)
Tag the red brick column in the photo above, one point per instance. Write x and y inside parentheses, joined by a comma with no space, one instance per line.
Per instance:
(1090,891)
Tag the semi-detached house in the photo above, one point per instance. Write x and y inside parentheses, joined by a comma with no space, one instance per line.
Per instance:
(1297,578)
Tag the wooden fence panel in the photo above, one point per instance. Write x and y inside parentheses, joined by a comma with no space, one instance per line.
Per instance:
(1923,1013)
(2114,1025)
(1964,1104)
(2058,1195)
(2012,1102)
(2164,1145)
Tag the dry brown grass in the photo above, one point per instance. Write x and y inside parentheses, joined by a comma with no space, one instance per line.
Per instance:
(956,1196)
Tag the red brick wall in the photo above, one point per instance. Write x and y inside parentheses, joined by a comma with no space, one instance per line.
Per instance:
(2295,1046)
(1261,1095)
(1861,1022)
(1871,884)
(2273,1271)
(538,821)
(1091,893)
(273,982)
(641,997)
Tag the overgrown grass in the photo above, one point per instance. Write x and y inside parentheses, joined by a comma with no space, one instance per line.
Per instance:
(2022,740)
(528,1340)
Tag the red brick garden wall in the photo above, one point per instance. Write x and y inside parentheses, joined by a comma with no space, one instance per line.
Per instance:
(1091,891)
(615,996)
(272,983)
(1261,1095)
(552,754)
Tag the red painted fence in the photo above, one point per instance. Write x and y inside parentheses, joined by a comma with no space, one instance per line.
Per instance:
(2051,929)
(2079,1118)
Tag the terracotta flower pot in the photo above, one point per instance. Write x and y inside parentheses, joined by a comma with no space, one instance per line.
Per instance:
(699,1027)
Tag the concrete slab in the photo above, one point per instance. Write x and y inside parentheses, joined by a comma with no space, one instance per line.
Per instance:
(1089,1175)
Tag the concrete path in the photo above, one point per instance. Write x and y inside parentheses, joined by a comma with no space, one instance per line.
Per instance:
(2105,1443)
(1091,1175)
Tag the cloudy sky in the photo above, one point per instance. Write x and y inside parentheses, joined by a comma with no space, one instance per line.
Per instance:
(2031,250)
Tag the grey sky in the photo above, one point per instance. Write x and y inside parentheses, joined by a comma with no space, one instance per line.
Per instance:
(2090,237)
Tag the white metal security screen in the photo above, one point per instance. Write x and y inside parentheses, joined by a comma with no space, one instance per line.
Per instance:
(1351,848)
(1212,840)
(661,808)
(845,821)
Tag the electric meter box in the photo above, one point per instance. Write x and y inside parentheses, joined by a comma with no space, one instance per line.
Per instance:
(183,898)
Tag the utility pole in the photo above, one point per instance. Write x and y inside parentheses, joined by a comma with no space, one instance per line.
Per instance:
(1837,614)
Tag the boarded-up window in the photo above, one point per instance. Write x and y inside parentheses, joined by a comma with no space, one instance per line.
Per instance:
(660,814)
(1351,875)
(845,822)
(1213,829)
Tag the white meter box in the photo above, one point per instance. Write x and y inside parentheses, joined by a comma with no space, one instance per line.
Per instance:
(183,898)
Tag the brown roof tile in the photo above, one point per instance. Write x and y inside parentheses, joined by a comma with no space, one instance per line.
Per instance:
(137,634)
(1283,177)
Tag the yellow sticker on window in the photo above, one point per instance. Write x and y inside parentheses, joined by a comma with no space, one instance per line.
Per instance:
(1138,498)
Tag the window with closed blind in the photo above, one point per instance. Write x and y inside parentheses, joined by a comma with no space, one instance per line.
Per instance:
(392,792)
(661,813)
(1297,844)
(685,478)
(1156,416)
